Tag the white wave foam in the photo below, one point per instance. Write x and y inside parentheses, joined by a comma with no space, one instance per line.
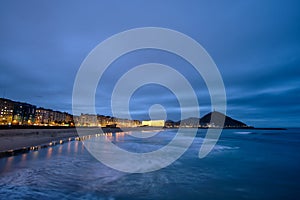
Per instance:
(243,132)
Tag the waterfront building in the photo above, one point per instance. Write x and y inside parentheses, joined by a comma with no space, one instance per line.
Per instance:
(69,119)
(42,116)
(6,111)
(53,118)
(23,114)
(18,113)
(104,120)
(158,123)
(127,123)
(86,120)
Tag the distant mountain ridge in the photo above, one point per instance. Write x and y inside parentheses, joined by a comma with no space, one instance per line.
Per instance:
(210,120)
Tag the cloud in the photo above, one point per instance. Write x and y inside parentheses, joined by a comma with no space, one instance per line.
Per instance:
(254,44)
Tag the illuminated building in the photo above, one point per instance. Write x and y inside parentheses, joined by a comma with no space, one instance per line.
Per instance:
(42,116)
(86,120)
(104,121)
(49,117)
(159,123)
(18,113)
(6,111)
(126,122)
(23,114)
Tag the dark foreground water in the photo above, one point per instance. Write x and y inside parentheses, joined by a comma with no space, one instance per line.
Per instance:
(245,164)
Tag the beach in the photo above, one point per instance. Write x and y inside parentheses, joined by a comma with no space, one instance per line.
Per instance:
(21,140)
(13,139)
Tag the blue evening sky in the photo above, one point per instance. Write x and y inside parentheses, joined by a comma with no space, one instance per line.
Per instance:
(255,44)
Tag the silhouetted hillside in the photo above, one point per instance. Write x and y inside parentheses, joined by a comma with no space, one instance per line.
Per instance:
(212,119)
(215,118)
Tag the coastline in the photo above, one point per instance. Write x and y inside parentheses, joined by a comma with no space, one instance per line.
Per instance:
(16,141)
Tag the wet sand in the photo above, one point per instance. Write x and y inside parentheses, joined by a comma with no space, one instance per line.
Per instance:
(18,139)
(13,139)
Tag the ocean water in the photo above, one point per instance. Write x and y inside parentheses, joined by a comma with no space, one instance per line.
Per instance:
(245,164)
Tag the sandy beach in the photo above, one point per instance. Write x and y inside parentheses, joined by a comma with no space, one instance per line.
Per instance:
(12,139)
(15,140)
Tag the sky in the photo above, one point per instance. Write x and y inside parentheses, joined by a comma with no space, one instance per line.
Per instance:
(255,45)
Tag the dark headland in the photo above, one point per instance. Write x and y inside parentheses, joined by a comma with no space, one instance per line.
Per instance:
(214,120)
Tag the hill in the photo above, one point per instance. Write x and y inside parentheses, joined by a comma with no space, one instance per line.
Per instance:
(212,119)
(215,118)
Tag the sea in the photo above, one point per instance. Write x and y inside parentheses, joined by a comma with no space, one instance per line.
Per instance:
(244,164)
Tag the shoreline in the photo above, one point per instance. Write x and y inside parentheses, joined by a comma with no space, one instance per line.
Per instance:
(16,141)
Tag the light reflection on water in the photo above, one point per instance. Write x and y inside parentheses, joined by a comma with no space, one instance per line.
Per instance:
(49,152)
(262,165)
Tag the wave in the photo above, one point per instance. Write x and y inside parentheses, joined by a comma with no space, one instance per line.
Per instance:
(243,132)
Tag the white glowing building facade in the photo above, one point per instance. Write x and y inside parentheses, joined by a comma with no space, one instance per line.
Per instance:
(156,123)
